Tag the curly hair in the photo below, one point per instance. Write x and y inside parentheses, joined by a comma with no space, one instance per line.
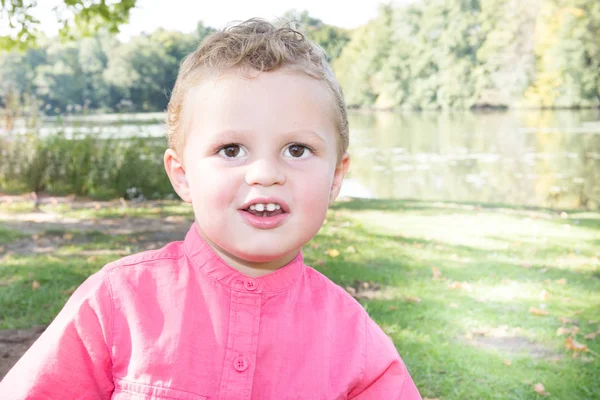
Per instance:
(254,45)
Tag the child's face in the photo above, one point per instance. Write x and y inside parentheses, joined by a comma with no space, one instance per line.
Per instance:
(267,142)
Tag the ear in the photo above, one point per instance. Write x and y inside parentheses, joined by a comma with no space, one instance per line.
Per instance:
(176,173)
(338,177)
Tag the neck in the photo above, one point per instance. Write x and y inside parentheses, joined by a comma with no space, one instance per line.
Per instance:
(249,268)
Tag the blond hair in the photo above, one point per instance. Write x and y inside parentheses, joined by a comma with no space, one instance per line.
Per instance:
(254,45)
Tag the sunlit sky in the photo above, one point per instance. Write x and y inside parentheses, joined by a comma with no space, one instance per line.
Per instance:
(183,15)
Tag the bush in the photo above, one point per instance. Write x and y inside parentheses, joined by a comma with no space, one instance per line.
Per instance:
(85,165)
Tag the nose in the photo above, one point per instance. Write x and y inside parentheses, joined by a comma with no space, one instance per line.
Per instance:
(265,173)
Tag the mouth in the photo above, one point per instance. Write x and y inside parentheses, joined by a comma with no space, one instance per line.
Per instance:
(265,210)
(265,213)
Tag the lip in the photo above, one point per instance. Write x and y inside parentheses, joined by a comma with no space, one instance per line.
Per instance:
(263,222)
(266,200)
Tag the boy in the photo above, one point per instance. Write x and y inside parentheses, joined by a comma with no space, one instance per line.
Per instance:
(258,135)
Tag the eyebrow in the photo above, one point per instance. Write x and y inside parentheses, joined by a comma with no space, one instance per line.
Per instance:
(309,133)
(239,135)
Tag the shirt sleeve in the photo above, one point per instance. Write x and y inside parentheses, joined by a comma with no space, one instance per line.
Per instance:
(385,375)
(71,359)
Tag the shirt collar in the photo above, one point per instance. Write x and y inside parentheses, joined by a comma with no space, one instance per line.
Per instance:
(207,261)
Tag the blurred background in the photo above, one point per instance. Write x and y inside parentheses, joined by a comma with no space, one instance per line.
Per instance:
(470,226)
(465,100)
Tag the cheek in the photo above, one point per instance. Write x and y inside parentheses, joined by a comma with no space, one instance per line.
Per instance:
(314,192)
(211,188)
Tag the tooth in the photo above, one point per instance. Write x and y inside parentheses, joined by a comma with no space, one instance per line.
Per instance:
(277,207)
(252,207)
(270,207)
(260,207)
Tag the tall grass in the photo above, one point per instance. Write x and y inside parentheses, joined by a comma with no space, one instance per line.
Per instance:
(85,165)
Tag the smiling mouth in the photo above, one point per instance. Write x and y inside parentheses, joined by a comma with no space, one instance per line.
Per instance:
(265,210)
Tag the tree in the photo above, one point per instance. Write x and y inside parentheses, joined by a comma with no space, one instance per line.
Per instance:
(145,68)
(331,38)
(86,16)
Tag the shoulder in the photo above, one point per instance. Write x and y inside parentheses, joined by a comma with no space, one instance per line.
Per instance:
(171,251)
(143,269)
(331,293)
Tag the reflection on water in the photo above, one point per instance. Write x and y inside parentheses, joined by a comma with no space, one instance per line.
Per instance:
(538,158)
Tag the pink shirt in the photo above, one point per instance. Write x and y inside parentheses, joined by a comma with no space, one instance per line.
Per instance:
(180,324)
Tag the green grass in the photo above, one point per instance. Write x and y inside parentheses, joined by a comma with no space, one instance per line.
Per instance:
(455,342)
(7,236)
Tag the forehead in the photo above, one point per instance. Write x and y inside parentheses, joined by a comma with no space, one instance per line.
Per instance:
(269,102)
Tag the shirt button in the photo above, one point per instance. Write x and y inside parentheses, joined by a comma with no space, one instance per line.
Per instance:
(240,363)
(250,285)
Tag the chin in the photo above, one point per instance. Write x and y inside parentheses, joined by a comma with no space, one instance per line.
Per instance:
(261,253)
(259,256)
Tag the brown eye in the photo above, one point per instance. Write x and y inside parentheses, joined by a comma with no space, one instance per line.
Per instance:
(232,151)
(297,151)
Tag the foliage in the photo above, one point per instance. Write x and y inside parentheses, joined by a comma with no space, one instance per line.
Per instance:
(83,165)
(462,54)
(100,73)
(432,54)
(331,38)
(86,16)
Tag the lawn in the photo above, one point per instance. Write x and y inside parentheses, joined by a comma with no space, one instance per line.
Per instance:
(482,302)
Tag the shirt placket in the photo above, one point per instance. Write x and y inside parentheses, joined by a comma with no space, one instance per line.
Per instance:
(242,341)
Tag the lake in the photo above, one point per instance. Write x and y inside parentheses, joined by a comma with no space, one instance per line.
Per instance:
(527,157)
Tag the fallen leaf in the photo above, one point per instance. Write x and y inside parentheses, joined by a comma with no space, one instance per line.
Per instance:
(459,285)
(539,389)
(35,285)
(332,253)
(480,332)
(544,295)
(575,346)
(351,290)
(70,290)
(563,331)
(436,273)
(506,362)
(469,335)
(578,312)
(592,335)
(412,299)
(562,281)
(320,262)
(68,236)
(393,308)
(351,249)
(537,311)
(565,320)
